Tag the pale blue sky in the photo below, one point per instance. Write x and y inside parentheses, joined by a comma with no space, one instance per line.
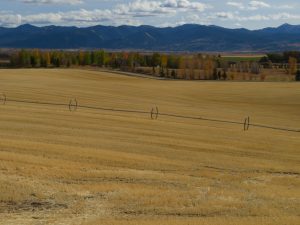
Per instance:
(251,14)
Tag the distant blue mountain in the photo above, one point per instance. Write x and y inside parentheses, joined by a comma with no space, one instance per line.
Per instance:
(188,37)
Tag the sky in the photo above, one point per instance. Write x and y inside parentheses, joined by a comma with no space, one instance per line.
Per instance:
(250,14)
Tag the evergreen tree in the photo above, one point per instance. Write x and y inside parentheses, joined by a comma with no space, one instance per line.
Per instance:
(87,59)
(298,75)
(24,58)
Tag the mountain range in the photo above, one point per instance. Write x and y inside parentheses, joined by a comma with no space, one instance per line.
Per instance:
(188,37)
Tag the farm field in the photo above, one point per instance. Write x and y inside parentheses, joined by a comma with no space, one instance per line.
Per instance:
(244,57)
(103,167)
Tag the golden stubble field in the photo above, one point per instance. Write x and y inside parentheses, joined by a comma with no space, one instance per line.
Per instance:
(101,167)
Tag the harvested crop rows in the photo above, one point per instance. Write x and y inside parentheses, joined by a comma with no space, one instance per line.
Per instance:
(84,166)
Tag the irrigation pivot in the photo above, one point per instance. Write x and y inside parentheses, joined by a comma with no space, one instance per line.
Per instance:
(2,99)
(73,105)
(154,113)
(247,123)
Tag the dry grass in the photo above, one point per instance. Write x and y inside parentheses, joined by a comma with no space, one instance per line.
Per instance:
(91,167)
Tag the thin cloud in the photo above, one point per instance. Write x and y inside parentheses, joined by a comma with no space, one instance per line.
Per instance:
(234,16)
(258,4)
(252,5)
(159,8)
(236,4)
(71,2)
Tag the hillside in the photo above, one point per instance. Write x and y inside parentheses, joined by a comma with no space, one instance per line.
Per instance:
(187,37)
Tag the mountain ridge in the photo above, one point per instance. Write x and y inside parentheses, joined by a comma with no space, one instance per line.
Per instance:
(187,37)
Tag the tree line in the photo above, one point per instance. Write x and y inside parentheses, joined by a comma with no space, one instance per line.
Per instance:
(181,66)
(161,64)
(37,58)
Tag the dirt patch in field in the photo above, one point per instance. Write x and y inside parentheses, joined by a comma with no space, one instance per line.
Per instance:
(30,206)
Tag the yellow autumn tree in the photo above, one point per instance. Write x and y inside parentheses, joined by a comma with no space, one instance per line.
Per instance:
(292,66)
(182,66)
(47,59)
(209,67)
